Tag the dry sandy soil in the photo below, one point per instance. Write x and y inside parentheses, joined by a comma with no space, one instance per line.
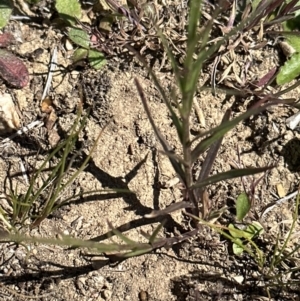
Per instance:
(127,156)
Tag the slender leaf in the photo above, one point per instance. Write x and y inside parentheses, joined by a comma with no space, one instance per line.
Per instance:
(127,240)
(66,241)
(221,130)
(194,18)
(177,167)
(212,153)
(200,193)
(190,81)
(175,119)
(155,233)
(171,208)
(229,175)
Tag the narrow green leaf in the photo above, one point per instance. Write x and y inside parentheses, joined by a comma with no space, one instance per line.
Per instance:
(290,70)
(69,10)
(165,97)
(191,80)
(96,59)
(177,73)
(79,37)
(229,175)
(193,38)
(143,250)
(221,130)
(193,69)
(5,12)
(255,3)
(212,153)
(167,148)
(242,206)
(154,234)
(66,241)
(127,240)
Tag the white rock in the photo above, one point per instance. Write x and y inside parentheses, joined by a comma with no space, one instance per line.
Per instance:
(9,118)
(68,45)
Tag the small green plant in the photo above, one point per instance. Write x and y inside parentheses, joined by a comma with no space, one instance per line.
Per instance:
(198,51)
(200,48)
(187,83)
(70,11)
(81,38)
(48,197)
(273,262)
(238,236)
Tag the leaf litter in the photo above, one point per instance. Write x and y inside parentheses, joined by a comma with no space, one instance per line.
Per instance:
(12,69)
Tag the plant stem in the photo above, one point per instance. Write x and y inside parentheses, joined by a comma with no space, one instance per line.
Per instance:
(187,155)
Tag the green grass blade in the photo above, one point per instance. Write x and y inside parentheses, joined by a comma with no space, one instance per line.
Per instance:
(171,57)
(66,241)
(192,80)
(279,257)
(88,193)
(162,92)
(221,130)
(212,153)
(127,240)
(155,233)
(236,173)
(193,38)
(193,70)
(143,250)
(167,148)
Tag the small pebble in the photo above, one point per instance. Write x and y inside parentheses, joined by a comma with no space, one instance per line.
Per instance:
(68,45)
(106,294)
(74,74)
(143,295)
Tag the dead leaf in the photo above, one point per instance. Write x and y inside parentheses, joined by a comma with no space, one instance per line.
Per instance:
(280,190)
(46,105)
(51,120)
